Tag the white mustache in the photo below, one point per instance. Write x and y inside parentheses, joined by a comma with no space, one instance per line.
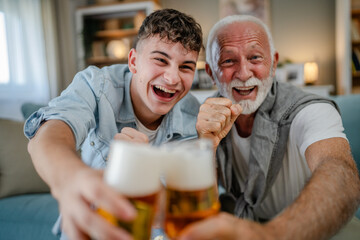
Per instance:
(248,83)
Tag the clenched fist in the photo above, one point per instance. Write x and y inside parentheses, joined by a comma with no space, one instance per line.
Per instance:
(216,117)
(131,135)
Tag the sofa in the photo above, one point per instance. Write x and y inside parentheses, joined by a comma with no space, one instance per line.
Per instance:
(27,209)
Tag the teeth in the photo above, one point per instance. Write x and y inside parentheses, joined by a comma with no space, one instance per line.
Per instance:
(243,88)
(165,89)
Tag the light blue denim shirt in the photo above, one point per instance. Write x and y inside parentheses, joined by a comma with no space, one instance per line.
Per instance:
(97,105)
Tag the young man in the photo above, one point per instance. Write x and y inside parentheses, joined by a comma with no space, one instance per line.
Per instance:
(144,101)
(283,158)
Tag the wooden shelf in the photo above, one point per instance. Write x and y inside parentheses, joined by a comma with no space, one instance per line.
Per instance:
(355,46)
(356,90)
(355,13)
(356,74)
(117,33)
(356,43)
(115,3)
(104,61)
(93,24)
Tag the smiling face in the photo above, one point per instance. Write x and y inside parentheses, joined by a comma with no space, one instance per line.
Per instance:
(163,73)
(244,68)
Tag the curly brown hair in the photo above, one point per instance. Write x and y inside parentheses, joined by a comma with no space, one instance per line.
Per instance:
(173,26)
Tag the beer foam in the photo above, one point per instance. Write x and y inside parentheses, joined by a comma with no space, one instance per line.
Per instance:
(189,166)
(133,169)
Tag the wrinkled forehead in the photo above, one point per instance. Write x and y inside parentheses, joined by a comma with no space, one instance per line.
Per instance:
(242,32)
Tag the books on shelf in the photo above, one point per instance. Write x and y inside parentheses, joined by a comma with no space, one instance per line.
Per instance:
(355,56)
(355,29)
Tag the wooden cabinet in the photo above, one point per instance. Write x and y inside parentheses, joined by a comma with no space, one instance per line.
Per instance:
(106,33)
(355,49)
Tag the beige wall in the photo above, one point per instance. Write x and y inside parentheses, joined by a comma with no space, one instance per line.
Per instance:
(303,30)
(205,12)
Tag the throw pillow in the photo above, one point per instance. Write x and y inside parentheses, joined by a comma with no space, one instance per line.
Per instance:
(17,173)
(28,108)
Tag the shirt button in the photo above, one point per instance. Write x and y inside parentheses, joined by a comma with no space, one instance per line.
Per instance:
(92,143)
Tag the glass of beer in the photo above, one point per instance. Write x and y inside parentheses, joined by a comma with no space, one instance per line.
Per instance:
(191,189)
(134,171)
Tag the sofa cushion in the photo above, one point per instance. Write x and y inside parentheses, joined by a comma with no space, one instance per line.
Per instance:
(30,216)
(350,113)
(28,108)
(17,173)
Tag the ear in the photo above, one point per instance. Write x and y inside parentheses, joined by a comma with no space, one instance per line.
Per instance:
(209,72)
(276,60)
(132,60)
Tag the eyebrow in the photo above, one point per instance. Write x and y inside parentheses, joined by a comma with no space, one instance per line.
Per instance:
(162,53)
(167,55)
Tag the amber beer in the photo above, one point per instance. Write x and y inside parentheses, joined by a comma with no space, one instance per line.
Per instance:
(185,207)
(133,170)
(191,191)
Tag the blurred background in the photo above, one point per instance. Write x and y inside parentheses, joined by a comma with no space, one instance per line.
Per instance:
(44,43)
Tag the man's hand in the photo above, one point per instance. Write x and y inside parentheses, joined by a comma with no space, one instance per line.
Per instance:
(78,188)
(225,226)
(216,117)
(131,135)
(79,200)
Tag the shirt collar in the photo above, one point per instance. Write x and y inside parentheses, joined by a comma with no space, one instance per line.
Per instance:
(126,112)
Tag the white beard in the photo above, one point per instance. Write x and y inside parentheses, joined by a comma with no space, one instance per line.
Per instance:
(248,106)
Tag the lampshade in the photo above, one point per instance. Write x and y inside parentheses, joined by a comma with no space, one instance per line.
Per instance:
(118,48)
(311,72)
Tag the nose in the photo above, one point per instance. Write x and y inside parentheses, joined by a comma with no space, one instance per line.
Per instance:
(243,72)
(171,75)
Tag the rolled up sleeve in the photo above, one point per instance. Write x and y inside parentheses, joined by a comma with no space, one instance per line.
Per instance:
(76,106)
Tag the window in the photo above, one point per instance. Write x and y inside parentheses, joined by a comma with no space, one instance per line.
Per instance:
(4,59)
(22,57)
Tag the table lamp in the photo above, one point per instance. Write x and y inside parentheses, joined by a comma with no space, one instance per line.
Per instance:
(311,72)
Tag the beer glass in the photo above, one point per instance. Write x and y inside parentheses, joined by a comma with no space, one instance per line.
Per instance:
(191,189)
(134,171)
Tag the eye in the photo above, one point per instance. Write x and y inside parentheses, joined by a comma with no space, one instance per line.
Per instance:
(227,62)
(255,58)
(187,67)
(161,60)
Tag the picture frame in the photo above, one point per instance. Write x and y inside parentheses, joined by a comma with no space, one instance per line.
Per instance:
(292,73)
(256,8)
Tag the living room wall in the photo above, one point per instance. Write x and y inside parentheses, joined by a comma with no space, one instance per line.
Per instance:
(302,30)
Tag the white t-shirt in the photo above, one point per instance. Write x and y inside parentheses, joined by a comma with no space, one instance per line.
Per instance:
(313,123)
(148,132)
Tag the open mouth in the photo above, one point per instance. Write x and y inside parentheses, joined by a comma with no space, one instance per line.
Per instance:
(163,92)
(244,91)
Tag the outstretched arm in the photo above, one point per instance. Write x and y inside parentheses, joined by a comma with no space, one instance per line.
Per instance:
(326,203)
(330,197)
(76,186)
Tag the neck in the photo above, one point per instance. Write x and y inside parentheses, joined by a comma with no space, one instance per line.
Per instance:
(244,124)
(152,125)
(150,121)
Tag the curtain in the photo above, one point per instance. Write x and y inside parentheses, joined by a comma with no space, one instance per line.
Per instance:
(27,57)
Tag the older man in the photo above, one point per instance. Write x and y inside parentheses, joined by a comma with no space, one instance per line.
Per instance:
(284,161)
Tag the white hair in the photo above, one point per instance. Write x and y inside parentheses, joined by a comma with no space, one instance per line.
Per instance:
(211,51)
